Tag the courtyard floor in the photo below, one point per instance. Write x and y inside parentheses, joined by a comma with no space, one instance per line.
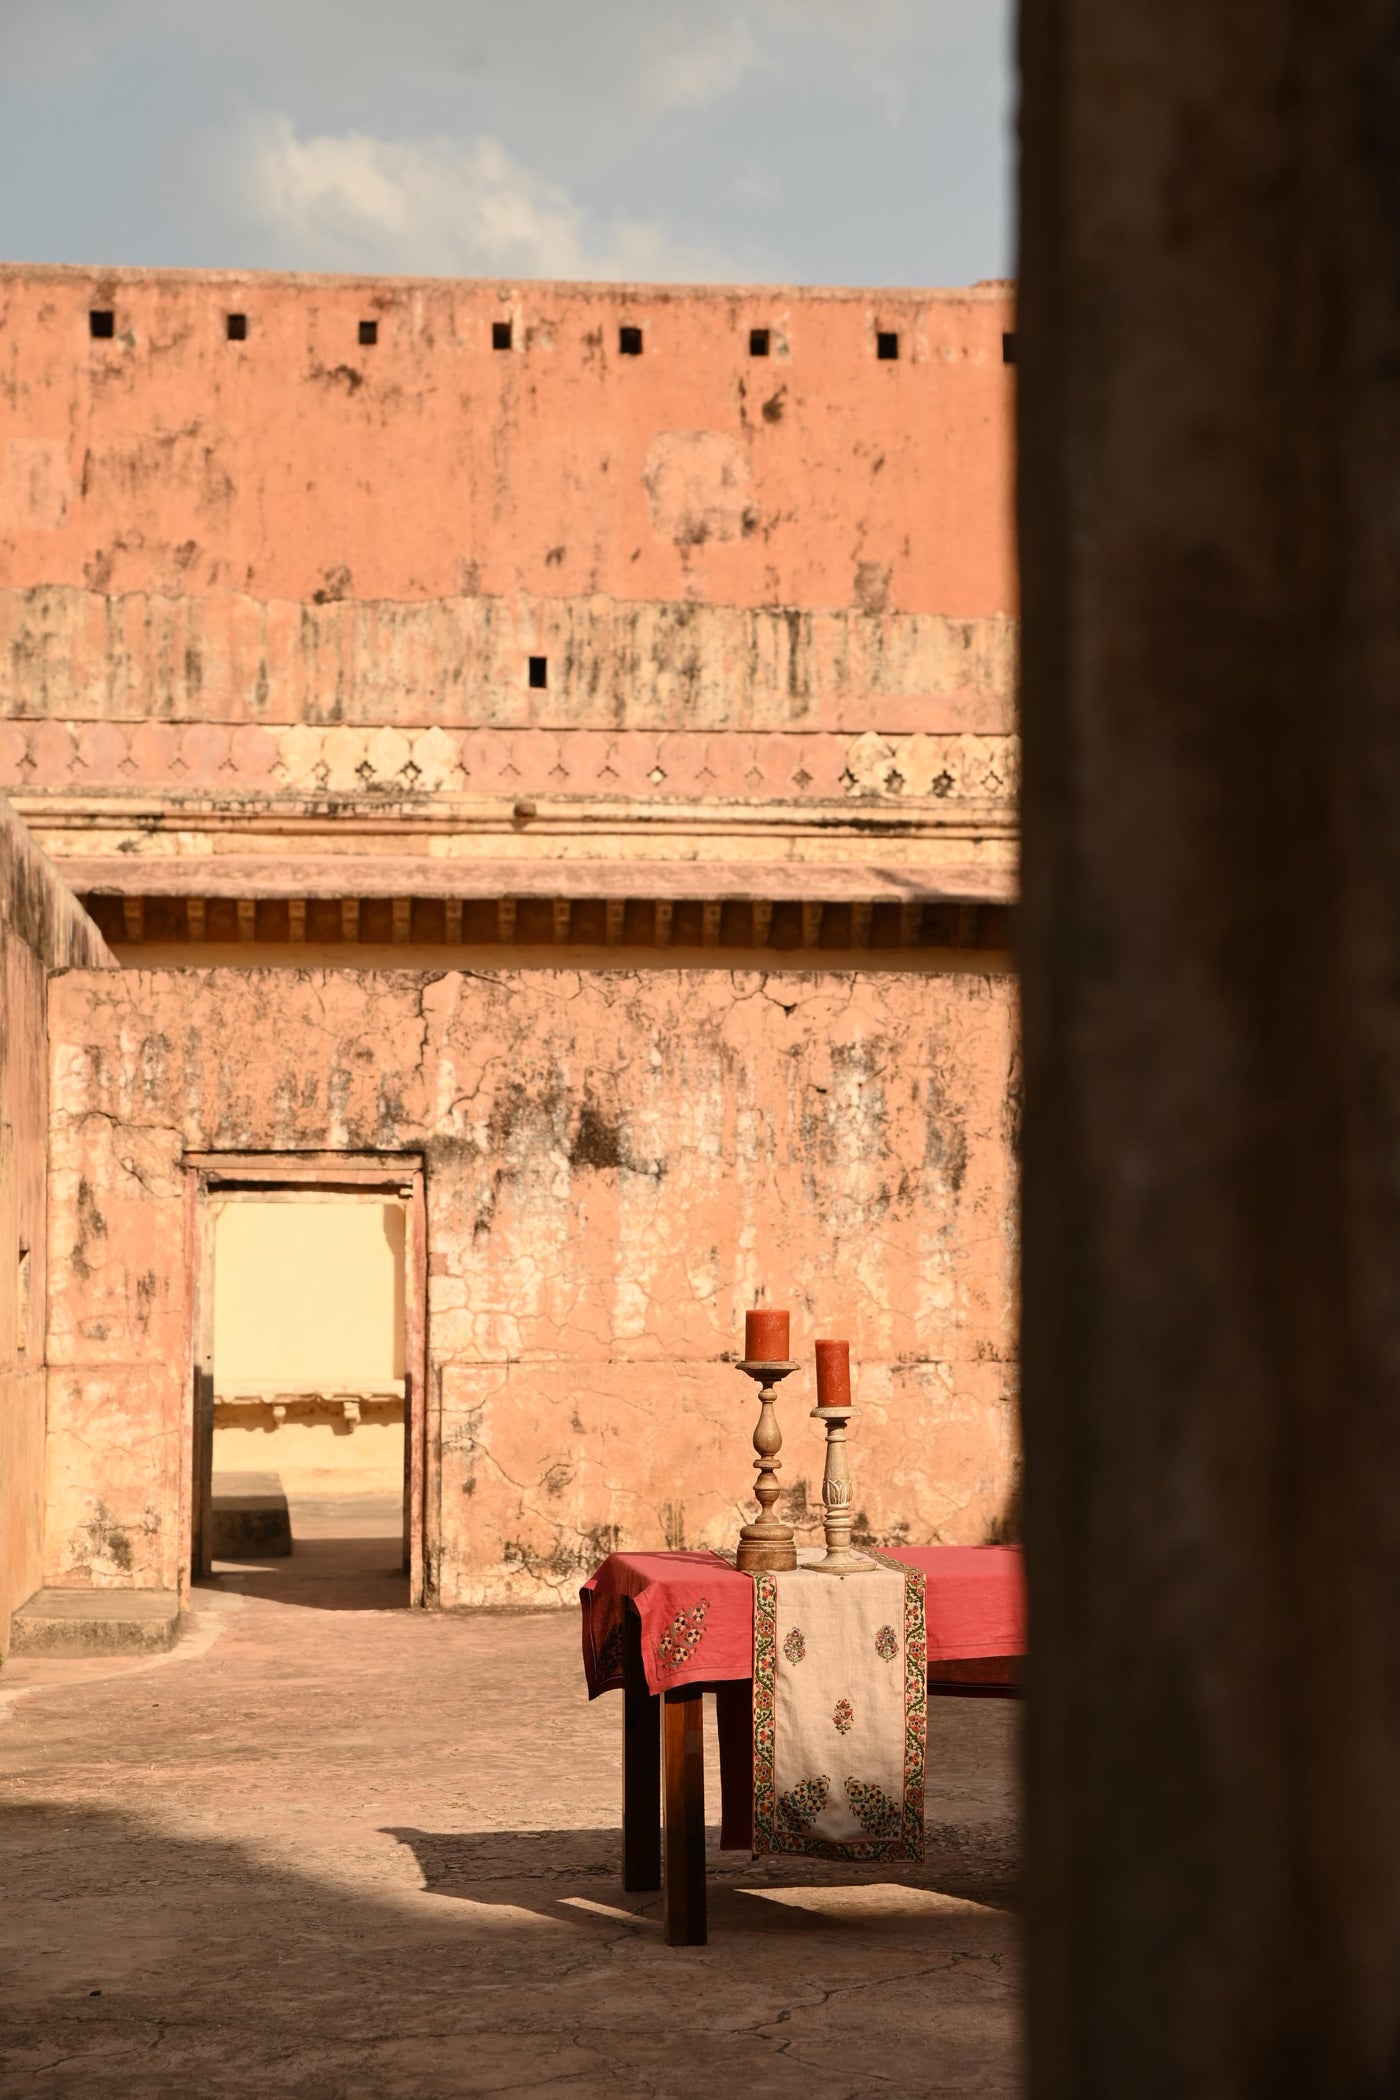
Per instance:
(336,1848)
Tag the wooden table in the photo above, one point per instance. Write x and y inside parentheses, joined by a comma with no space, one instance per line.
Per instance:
(663,1770)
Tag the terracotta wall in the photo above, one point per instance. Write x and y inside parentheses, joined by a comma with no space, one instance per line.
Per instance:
(171,468)
(41,927)
(300,568)
(616,1161)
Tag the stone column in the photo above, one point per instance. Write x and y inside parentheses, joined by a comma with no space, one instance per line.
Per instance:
(1209,374)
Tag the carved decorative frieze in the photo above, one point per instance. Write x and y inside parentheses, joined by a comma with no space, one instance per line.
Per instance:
(247,767)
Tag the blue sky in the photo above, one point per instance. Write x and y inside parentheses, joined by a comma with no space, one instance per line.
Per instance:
(803,141)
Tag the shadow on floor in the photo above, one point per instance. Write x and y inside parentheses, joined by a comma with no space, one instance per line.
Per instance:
(322,1574)
(198,1966)
(559,1871)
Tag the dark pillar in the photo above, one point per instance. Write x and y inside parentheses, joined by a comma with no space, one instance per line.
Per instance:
(1209,369)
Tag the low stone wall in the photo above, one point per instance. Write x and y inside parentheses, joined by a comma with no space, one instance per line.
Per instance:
(616,1161)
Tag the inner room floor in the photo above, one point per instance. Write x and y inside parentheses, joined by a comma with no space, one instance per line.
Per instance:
(347,1555)
(372,1852)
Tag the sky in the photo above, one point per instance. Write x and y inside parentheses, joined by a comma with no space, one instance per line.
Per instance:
(782,141)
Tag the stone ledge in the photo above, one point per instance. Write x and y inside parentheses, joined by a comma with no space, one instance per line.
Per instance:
(369,875)
(96,1622)
(249,1517)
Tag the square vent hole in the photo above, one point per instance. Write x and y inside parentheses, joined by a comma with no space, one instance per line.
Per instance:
(539,671)
(500,335)
(236,326)
(102,323)
(759,342)
(887,344)
(369,332)
(629,341)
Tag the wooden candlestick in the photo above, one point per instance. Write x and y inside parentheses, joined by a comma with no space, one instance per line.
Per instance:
(836,1498)
(766,1545)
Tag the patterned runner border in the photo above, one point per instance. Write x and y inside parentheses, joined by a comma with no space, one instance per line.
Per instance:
(768,1834)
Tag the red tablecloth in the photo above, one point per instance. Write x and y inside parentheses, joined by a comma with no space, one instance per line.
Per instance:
(974,1599)
(696,1612)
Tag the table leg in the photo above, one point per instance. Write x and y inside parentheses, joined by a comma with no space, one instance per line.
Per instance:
(641,1765)
(684,1764)
(734,1714)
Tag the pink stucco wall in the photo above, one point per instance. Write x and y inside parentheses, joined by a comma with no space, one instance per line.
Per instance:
(294,572)
(299,466)
(616,1162)
(41,928)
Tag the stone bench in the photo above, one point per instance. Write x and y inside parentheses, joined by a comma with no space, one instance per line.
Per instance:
(96,1622)
(249,1518)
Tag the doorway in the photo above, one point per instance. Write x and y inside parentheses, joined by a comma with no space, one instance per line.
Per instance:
(308,1417)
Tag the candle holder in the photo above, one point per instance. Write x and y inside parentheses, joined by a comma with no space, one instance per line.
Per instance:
(839,1559)
(766,1545)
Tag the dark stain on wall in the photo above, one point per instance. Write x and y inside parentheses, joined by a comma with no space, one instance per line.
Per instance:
(106,1539)
(597,1142)
(91,1226)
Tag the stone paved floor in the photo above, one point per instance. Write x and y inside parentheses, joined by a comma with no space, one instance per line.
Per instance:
(334,1848)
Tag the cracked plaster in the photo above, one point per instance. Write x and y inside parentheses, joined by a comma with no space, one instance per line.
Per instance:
(41,928)
(616,1163)
(792,584)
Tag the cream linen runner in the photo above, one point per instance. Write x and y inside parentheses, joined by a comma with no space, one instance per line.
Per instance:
(840,1708)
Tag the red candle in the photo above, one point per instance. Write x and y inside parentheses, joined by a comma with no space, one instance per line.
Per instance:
(766,1337)
(833,1374)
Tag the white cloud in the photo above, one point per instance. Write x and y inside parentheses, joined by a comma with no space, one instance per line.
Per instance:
(350,201)
(646,56)
(691,64)
(758,186)
(662,139)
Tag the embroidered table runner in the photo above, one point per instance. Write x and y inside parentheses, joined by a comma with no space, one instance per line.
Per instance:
(840,1706)
(697,1619)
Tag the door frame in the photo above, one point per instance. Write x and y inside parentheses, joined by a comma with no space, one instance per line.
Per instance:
(398,1174)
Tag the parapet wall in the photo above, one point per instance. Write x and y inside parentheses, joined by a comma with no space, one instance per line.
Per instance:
(257,586)
(615,1162)
(300,467)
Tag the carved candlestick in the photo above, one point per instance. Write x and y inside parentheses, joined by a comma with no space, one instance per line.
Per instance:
(836,1498)
(766,1544)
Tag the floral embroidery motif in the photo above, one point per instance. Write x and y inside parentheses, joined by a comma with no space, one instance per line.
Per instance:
(873,1809)
(768,1833)
(773,1831)
(915,1714)
(609,1662)
(799,1810)
(843,1719)
(795,1646)
(887,1644)
(683,1636)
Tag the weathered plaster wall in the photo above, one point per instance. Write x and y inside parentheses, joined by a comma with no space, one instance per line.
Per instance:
(299,468)
(295,575)
(41,928)
(616,1161)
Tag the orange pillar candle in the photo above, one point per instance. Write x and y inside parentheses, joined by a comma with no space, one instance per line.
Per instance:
(765,1337)
(833,1374)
